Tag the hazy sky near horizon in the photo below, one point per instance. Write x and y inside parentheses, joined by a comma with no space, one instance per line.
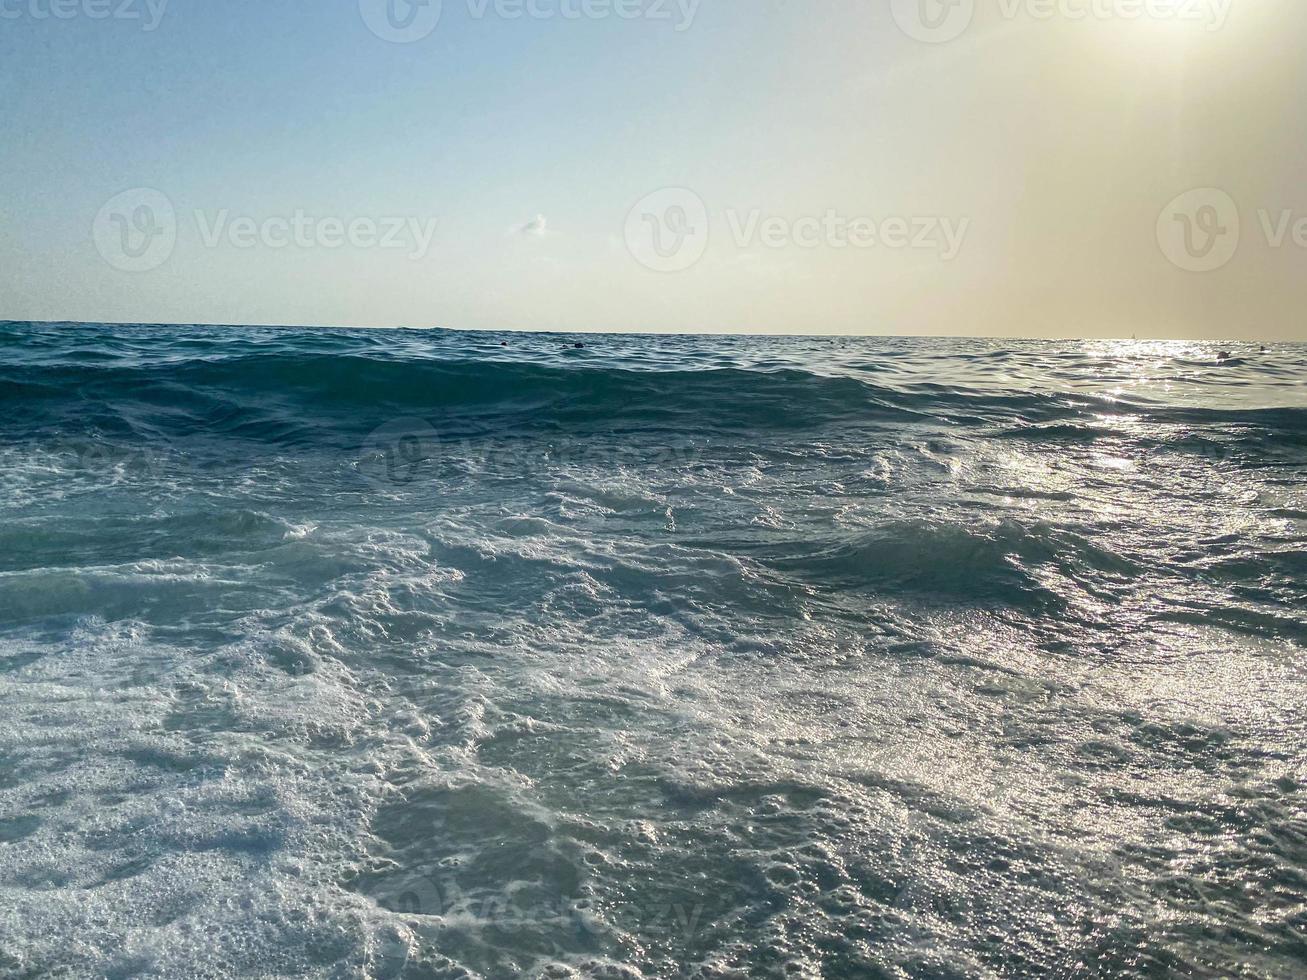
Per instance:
(997,167)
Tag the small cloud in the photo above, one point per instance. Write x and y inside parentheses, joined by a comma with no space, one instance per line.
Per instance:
(537,227)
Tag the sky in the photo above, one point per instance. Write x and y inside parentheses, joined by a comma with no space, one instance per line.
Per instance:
(1096,168)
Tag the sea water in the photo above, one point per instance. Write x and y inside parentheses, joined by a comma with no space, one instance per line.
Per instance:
(408,653)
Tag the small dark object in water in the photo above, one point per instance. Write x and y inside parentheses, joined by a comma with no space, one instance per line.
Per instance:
(503,343)
(1224,355)
(580,346)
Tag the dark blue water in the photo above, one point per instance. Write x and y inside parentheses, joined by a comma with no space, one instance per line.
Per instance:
(386,653)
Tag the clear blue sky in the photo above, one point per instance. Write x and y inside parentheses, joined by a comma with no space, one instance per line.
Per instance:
(1043,152)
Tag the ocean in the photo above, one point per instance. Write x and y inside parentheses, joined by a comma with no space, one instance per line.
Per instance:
(332,653)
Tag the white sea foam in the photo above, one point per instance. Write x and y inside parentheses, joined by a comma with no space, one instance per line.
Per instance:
(904,670)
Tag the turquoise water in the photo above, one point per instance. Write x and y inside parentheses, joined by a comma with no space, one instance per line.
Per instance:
(375,653)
